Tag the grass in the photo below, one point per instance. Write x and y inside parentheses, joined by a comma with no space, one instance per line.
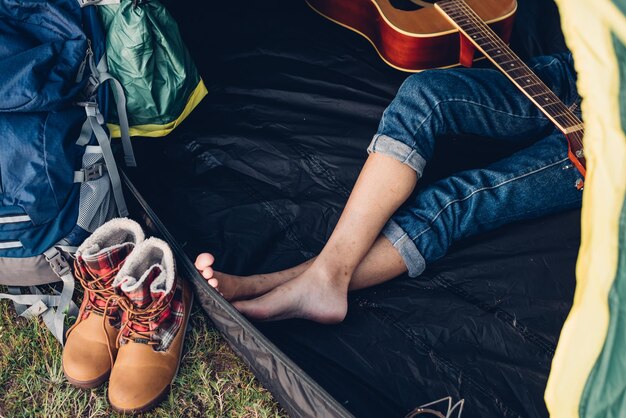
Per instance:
(212,380)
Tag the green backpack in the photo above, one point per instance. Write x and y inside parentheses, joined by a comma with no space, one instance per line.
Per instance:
(147,55)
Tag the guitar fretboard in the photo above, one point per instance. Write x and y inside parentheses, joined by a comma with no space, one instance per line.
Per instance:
(498,52)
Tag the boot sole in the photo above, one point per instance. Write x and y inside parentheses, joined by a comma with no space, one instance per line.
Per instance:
(87,384)
(153,403)
(147,407)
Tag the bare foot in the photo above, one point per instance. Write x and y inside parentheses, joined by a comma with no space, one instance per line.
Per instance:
(231,287)
(244,287)
(313,295)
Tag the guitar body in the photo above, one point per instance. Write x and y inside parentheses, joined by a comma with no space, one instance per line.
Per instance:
(410,37)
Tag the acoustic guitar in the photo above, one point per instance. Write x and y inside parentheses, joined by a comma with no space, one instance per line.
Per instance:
(414,35)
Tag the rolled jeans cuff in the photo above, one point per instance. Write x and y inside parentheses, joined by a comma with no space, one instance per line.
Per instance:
(412,257)
(383,144)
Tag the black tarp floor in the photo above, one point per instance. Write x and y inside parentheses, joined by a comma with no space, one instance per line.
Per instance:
(259,173)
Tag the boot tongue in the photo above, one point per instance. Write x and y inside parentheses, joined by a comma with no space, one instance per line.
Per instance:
(140,295)
(103,265)
(103,262)
(143,298)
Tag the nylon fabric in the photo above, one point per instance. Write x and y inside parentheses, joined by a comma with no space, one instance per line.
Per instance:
(34,74)
(120,102)
(593,315)
(26,271)
(146,54)
(43,73)
(47,72)
(155,130)
(260,172)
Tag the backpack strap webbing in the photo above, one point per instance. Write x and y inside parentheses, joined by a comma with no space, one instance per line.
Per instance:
(120,102)
(95,120)
(52,308)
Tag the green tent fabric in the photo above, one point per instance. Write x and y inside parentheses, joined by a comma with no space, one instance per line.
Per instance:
(588,377)
(604,391)
(147,55)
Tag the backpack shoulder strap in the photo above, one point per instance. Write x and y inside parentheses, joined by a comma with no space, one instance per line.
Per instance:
(120,102)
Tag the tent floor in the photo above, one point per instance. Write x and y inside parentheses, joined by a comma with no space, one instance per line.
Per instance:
(260,171)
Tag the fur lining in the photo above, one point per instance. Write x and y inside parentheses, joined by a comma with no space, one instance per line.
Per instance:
(148,254)
(111,235)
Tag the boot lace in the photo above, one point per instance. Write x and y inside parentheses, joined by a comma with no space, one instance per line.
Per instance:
(136,318)
(94,285)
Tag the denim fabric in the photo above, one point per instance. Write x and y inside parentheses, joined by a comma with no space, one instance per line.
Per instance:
(536,181)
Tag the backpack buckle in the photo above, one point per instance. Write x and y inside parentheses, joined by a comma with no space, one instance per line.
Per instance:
(58,263)
(94,172)
(90,106)
(92,110)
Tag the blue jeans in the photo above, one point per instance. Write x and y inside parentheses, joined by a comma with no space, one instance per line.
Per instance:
(536,181)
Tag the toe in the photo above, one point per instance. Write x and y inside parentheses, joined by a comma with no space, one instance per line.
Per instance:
(207,273)
(204,261)
(213,282)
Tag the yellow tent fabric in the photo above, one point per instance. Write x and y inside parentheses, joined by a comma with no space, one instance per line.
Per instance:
(590,28)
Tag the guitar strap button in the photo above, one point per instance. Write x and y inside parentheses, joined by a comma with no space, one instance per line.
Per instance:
(579,184)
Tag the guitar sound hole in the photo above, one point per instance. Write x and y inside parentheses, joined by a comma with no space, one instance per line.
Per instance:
(410,5)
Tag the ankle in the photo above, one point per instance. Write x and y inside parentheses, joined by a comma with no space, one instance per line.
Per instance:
(336,274)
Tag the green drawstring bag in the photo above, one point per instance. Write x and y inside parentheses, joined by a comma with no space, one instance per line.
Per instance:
(145,52)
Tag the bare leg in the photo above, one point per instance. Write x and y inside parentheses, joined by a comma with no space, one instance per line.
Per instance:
(424,109)
(319,293)
(245,287)
(381,263)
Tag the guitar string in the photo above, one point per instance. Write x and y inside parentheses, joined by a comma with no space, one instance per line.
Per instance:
(493,39)
(482,26)
(467,12)
(490,39)
(574,137)
(464,9)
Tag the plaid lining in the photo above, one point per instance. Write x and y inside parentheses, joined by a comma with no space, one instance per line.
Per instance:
(106,264)
(168,321)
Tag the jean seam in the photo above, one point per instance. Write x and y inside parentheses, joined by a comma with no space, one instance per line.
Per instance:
(528,212)
(408,157)
(436,107)
(541,117)
(482,190)
(372,144)
(400,239)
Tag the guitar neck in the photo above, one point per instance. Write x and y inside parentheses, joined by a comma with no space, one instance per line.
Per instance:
(499,53)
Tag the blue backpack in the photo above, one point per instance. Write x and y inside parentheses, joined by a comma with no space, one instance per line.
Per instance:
(58,178)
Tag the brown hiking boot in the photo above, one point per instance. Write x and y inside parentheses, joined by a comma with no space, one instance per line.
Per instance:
(90,347)
(155,308)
